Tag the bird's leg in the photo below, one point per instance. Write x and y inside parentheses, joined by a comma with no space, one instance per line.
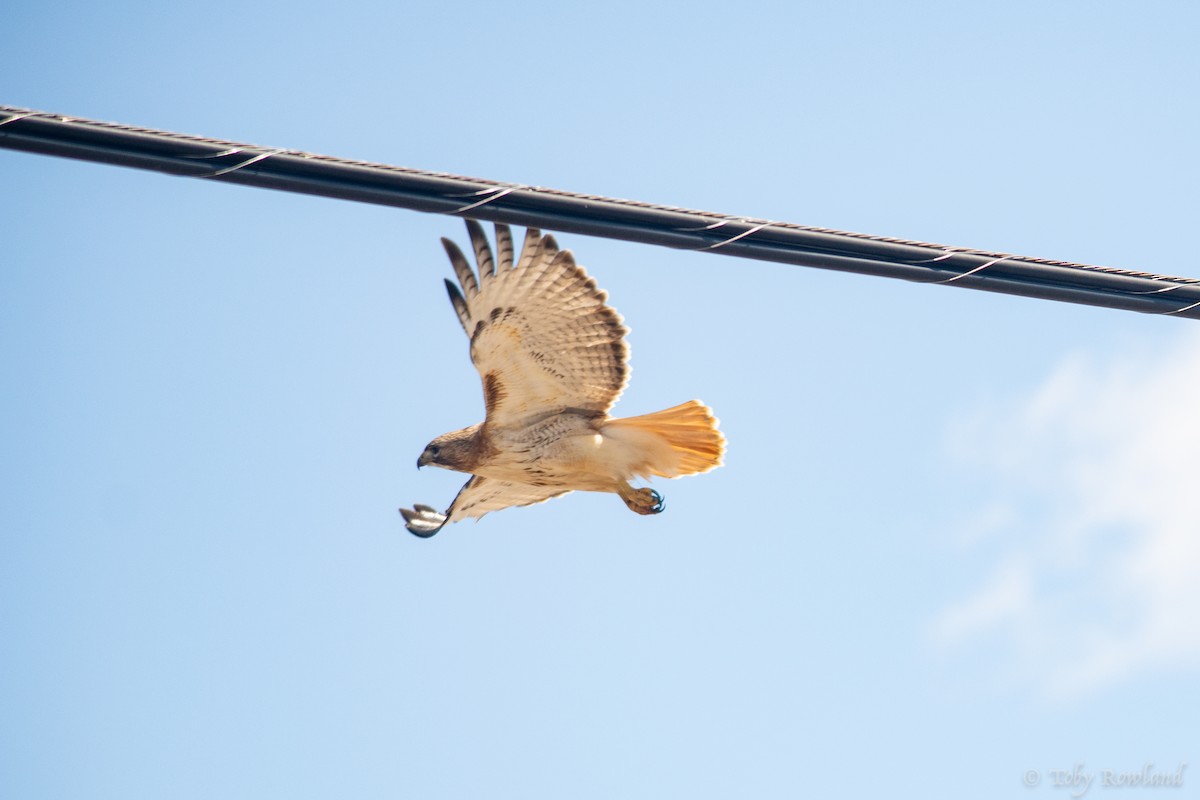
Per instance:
(642,501)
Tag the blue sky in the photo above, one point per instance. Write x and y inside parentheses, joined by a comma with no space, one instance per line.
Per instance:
(953,541)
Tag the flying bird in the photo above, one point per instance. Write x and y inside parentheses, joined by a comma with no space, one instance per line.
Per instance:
(553,359)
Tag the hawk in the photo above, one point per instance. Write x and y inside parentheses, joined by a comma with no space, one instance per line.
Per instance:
(553,359)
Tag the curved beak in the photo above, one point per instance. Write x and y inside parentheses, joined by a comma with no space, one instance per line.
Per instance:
(423,460)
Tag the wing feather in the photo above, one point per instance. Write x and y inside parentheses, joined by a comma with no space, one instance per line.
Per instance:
(462,269)
(543,337)
(460,305)
(504,248)
(483,252)
(530,248)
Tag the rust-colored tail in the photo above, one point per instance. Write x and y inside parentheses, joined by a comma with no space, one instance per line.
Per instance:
(690,431)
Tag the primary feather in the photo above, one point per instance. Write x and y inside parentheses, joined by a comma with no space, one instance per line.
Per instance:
(552,359)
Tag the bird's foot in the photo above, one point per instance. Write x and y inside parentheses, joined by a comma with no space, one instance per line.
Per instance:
(422,520)
(643,501)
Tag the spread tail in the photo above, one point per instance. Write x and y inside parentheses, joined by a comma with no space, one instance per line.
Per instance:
(689,432)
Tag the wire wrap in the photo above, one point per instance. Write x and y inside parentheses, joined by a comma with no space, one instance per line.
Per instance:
(435,192)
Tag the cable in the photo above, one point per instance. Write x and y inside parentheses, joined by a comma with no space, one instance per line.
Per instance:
(420,190)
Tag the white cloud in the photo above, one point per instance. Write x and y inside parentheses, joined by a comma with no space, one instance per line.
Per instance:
(1090,500)
(1006,595)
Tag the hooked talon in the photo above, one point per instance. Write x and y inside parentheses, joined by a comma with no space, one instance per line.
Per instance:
(643,501)
(422,520)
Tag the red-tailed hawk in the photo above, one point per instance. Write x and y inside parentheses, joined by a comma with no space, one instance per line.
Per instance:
(553,360)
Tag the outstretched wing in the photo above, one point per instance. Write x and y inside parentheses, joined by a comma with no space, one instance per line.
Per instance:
(477,497)
(542,336)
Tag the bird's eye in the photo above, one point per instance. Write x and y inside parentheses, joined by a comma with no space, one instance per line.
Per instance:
(434,449)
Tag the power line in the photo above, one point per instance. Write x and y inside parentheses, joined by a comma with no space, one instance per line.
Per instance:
(421,190)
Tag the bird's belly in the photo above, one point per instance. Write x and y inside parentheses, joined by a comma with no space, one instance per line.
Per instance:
(579,462)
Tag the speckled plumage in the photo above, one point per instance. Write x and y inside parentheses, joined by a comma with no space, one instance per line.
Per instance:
(552,358)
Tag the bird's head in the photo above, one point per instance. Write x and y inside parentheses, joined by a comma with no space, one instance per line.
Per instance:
(458,451)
